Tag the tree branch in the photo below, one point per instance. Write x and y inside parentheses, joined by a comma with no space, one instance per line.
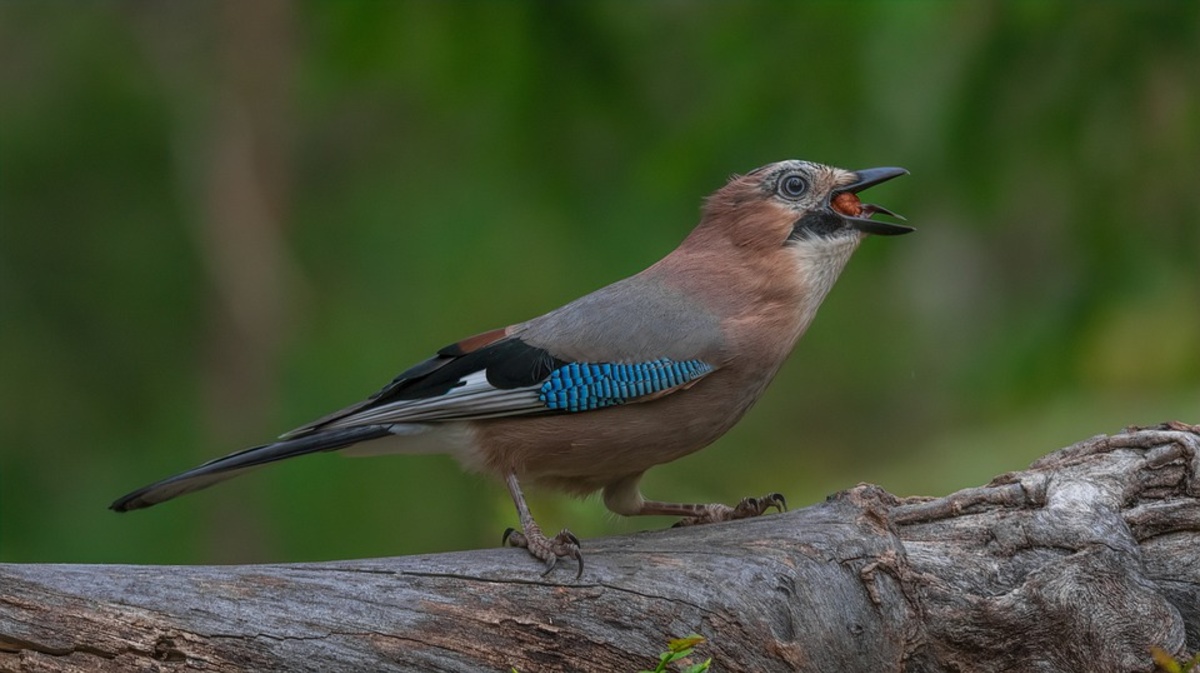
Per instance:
(1082,562)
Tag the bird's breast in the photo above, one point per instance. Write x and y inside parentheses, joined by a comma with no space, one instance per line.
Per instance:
(582,452)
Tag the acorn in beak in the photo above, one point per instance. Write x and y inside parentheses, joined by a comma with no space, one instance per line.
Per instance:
(845,202)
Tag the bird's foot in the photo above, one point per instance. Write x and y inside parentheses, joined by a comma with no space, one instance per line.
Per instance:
(748,507)
(547,550)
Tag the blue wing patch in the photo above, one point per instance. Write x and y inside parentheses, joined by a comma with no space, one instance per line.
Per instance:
(584,386)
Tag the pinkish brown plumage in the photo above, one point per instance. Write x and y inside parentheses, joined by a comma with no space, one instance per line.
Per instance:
(639,373)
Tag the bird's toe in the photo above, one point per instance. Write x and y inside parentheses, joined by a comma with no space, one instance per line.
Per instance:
(747,508)
(751,506)
(547,550)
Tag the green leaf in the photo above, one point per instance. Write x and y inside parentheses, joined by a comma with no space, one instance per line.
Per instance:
(675,656)
(687,642)
(1164,661)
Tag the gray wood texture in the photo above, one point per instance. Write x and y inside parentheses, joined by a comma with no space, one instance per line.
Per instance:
(1080,563)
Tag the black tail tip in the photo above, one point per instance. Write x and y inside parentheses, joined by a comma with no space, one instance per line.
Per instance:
(125,504)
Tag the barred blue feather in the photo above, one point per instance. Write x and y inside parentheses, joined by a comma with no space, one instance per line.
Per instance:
(584,386)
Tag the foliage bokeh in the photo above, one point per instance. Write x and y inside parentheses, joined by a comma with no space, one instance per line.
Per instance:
(438,169)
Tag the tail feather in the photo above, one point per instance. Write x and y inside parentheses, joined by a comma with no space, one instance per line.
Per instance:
(234,464)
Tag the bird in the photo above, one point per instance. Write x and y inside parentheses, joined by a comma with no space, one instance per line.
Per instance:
(646,370)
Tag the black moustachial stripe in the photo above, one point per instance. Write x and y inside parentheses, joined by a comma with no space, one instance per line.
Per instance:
(816,223)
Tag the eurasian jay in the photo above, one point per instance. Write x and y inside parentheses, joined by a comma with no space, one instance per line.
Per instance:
(639,373)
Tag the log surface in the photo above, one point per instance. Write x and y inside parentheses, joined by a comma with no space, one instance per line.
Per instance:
(1082,562)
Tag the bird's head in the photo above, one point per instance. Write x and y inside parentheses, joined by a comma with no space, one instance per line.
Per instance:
(793,202)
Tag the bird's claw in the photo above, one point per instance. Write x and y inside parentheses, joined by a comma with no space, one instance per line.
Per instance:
(548,550)
(747,508)
(751,506)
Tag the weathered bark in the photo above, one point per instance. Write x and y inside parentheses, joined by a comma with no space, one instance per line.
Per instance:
(1082,562)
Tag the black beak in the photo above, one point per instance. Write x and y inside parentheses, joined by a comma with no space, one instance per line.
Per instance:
(863,222)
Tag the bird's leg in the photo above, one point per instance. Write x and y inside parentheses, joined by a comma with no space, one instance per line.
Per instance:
(694,514)
(531,537)
(623,497)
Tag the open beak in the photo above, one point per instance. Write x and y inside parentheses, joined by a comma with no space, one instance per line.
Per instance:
(857,214)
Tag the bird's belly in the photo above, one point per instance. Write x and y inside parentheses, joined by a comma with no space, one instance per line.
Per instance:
(582,452)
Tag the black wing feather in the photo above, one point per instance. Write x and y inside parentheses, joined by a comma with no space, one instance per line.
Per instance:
(509,363)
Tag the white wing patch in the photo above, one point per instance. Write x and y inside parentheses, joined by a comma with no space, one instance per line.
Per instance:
(473,398)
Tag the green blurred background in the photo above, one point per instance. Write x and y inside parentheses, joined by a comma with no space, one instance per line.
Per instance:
(219,220)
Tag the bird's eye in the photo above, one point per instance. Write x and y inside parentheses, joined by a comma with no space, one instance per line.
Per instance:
(792,186)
